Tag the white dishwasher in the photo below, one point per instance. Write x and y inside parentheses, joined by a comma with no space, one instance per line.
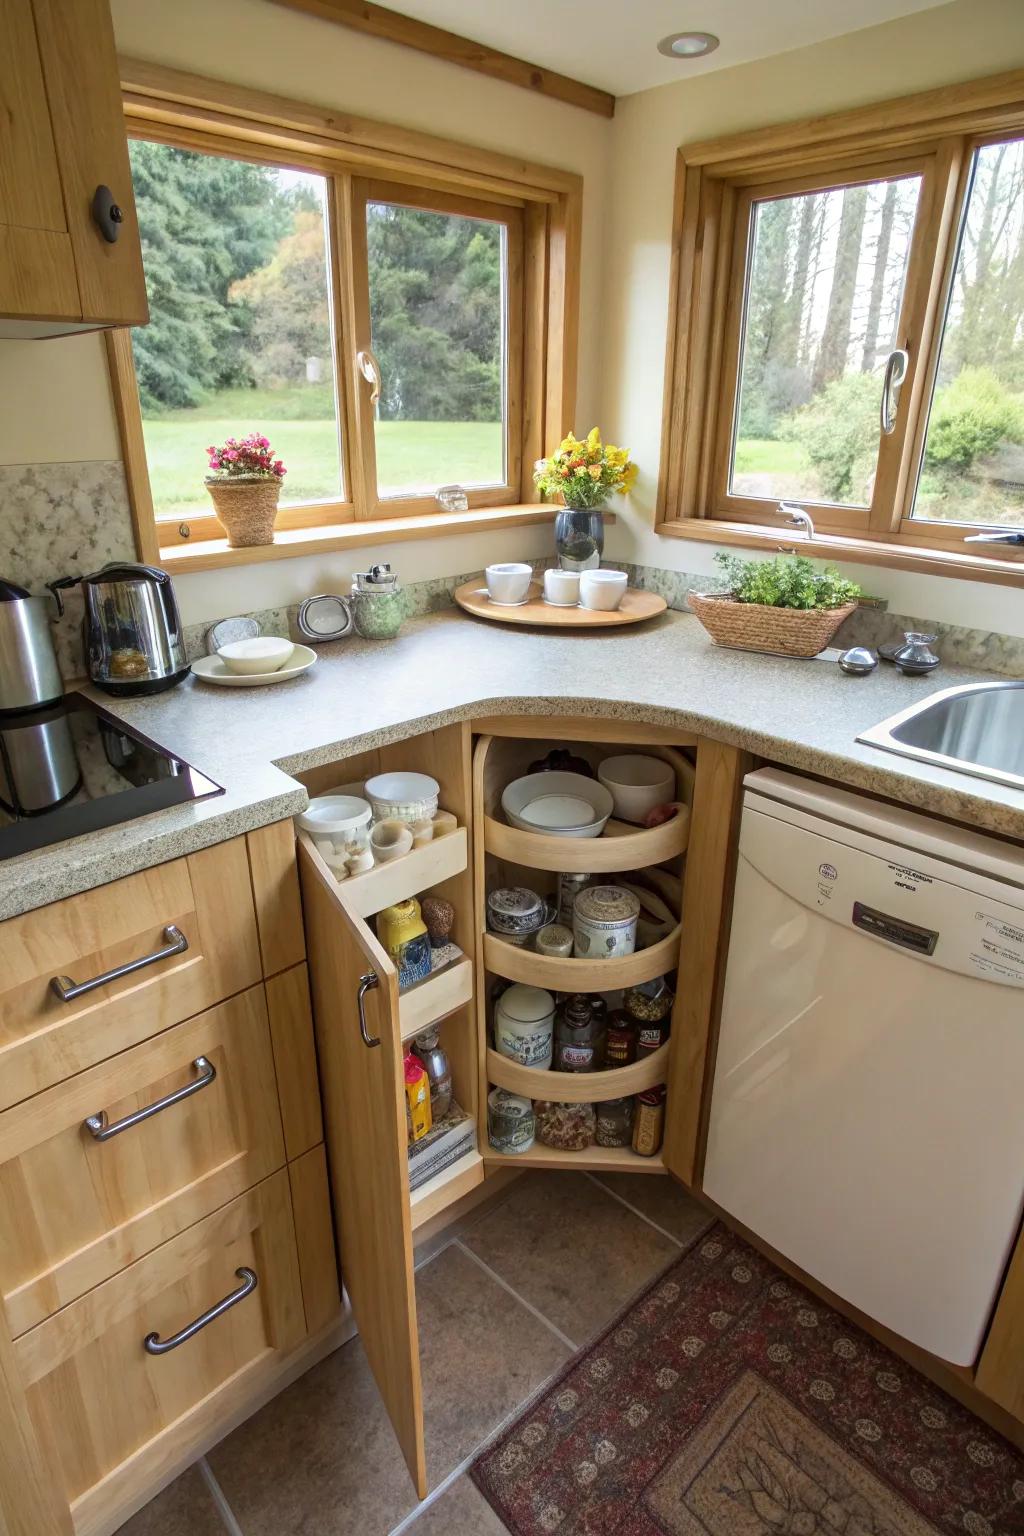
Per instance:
(867,1111)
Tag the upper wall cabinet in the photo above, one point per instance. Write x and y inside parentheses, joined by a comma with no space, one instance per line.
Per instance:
(70,258)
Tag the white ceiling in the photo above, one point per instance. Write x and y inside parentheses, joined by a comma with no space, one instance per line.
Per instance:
(613,43)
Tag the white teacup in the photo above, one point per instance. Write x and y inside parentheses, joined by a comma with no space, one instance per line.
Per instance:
(602,590)
(562,588)
(508,584)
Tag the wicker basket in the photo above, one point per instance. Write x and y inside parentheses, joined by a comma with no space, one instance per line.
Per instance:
(754,627)
(246,506)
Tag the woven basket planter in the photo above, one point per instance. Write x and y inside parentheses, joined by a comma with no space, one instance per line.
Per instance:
(246,506)
(779,631)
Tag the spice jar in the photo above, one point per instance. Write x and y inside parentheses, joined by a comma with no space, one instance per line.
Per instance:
(579,1035)
(403,933)
(614,1122)
(510,1121)
(555,940)
(523,1024)
(566,1127)
(650,1006)
(620,1040)
(569,887)
(649,1122)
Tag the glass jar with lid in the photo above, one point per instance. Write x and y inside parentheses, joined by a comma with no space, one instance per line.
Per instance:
(580,1025)
(614,1123)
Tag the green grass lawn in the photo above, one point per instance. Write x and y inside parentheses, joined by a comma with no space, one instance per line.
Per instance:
(410,454)
(764,455)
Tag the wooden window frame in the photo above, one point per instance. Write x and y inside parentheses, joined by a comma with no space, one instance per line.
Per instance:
(934,133)
(540,206)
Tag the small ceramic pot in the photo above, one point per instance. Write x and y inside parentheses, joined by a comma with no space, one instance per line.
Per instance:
(604,919)
(508,584)
(562,588)
(554,940)
(515,910)
(524,1021)
(602,591)
(390,840)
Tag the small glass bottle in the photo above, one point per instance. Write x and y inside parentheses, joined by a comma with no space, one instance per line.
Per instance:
(614,1123)
(438,1069)
(579,1035)
(620,1041)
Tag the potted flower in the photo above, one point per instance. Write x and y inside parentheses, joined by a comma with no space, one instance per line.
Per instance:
(245,486)
(783,606)
(583,474)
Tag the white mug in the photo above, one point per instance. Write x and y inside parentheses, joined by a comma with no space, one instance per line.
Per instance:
(602,590)
(508,584)
(562,588)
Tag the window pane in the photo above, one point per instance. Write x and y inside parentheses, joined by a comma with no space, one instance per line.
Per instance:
(240,334)
(438,323)
(973,466)
(824,289)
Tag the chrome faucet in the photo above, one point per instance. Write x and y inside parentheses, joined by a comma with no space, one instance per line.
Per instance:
(797,516)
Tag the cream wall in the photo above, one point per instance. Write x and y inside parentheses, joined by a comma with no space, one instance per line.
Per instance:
(54,396)
(934,48)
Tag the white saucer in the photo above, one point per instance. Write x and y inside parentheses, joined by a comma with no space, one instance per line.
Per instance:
(212,670)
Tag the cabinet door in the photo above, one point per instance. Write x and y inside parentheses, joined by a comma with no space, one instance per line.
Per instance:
(76,44)
(364,1108)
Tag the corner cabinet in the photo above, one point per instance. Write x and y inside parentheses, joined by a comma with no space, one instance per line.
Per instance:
(70,258)
(364,1023)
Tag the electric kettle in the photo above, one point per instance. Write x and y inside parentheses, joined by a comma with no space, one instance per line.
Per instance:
(133,639)
(29,676)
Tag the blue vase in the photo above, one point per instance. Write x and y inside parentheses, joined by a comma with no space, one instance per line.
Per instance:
(579,538)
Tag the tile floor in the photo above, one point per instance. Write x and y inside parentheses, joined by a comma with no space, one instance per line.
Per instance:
(503,1300)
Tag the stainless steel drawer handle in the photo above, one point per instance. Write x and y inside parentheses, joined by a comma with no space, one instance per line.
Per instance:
(153,1344)
(366,984)
(67,990)
(99,1129)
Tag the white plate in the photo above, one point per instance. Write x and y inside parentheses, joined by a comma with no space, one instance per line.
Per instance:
(212,670)
(559,812)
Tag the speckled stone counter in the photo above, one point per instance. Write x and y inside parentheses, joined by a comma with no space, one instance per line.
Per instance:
(448,667)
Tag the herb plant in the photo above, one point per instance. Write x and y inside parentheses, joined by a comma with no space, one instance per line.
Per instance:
(787,581)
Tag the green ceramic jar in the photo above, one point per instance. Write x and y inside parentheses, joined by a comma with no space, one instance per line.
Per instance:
(378,603)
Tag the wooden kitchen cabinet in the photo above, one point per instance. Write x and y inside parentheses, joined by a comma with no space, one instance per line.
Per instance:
(62,138)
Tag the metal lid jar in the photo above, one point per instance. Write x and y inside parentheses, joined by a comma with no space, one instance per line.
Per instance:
(378,605)
(604,919)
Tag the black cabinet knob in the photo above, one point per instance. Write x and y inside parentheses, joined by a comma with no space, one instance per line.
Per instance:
(107,214)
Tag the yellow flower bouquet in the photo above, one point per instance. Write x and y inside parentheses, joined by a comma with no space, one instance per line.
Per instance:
(583,473)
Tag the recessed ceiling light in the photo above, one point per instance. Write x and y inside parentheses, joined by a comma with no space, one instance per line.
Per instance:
(688,45)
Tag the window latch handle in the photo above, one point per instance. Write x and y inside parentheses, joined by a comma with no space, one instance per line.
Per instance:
(370,370)
(896,366)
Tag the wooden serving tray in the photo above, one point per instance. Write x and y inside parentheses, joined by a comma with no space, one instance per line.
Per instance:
(634,608)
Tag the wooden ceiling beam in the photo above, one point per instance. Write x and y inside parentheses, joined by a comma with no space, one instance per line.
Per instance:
(378,21)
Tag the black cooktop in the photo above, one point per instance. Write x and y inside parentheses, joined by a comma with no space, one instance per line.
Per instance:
(73,768)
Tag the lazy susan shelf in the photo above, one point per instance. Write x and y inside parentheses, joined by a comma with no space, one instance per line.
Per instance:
(634,609)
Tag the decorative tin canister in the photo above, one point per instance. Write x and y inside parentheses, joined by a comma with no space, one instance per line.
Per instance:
(604,919)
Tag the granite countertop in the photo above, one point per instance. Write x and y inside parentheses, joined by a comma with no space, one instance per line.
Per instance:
(449,667)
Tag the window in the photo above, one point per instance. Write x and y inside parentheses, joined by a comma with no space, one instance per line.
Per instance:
(357,294)
(848,334)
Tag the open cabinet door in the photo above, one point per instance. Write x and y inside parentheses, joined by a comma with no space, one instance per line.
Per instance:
(359,1044)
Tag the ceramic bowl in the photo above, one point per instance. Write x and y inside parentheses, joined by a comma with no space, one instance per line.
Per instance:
(390,840)
(509,583)
(263,653)
(408,797)
(562,588)
(561,804)
(601,590)
(637,783)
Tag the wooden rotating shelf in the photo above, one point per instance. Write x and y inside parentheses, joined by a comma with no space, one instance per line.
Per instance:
(578,1087)
(557,975)
(595,1158)
(620,847)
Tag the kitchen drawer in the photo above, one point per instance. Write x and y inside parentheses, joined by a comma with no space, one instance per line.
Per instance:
(206,897)
(77,1205)
(99,1399)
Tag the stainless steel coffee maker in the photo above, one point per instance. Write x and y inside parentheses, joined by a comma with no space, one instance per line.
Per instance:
(133,639)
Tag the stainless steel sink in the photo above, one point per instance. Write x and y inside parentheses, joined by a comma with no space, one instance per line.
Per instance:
(977,728)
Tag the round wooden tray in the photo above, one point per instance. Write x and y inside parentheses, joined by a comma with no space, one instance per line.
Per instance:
(634,608)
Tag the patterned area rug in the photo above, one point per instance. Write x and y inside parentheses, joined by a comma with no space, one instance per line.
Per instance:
(728,1401)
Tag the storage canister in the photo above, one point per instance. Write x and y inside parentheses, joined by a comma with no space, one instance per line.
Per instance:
(524,1020)
(403,933)
(510,1121)
(604,921)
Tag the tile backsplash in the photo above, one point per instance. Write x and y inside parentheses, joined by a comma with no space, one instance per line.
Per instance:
(65,519)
